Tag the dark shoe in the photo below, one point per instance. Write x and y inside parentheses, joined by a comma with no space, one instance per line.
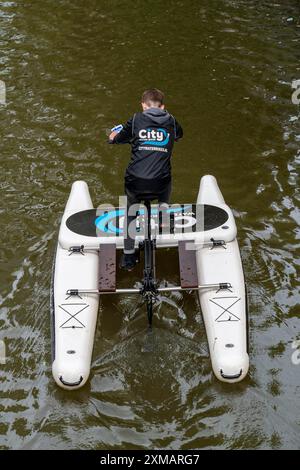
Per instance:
(128,262)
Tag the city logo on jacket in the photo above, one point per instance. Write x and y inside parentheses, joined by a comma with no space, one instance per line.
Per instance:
(156,137)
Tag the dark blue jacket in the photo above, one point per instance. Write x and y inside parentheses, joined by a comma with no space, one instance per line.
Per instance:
(151,134)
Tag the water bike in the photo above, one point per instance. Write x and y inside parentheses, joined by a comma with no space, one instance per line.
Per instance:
(85,269)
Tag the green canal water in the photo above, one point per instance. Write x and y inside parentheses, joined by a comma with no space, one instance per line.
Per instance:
(72,69)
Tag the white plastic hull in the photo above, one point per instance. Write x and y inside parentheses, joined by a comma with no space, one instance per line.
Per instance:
(74,318)
(224,311)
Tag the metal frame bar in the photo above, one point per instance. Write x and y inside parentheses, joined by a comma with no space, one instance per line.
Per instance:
(221,285)
(211,244)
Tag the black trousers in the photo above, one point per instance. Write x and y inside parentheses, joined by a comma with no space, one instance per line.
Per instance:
(130,216)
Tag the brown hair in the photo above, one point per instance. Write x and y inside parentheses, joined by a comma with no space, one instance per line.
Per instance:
(153,96)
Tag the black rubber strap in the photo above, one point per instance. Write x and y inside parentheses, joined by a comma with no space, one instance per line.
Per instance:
(132,127)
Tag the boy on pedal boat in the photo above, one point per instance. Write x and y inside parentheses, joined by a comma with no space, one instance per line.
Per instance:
(151,134)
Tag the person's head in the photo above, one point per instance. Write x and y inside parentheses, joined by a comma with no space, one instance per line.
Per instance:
(153,98)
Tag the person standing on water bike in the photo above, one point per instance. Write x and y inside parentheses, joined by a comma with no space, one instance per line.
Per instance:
(152,134)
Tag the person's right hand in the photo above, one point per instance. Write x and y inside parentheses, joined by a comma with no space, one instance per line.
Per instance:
(112,135)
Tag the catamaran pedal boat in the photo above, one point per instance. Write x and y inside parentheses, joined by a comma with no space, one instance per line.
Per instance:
(85,269)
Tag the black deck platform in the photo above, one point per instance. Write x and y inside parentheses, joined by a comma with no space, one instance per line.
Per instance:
(106,222)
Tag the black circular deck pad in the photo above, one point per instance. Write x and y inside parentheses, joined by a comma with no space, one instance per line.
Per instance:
(105,222)
(214,217)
